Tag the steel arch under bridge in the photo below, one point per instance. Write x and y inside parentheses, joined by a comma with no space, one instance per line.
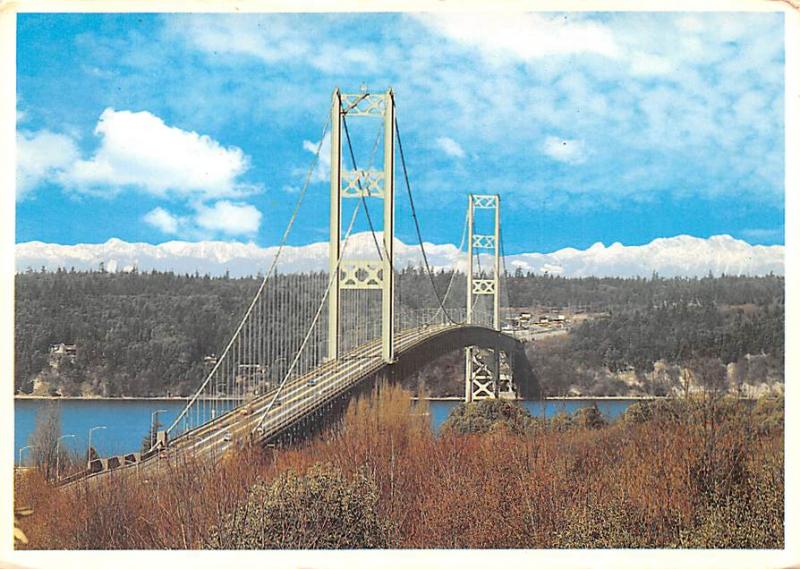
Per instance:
(306,400)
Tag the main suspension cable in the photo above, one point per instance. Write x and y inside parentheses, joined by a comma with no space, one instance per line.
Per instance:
(455,270)
(272,268)
(332,278)
(358,181)
(416,220)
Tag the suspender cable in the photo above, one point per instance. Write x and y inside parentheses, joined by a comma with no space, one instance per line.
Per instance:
(416,220)
(331,279)
(273,266)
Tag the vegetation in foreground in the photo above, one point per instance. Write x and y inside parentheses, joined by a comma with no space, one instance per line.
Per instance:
(698,473)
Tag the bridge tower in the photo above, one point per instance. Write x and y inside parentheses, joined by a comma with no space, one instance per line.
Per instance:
(362,183)
(487,371)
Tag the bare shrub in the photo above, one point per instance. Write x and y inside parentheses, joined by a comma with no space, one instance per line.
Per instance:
(699,472)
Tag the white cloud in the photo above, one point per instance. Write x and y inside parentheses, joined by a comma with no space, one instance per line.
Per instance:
(222,218)
(645,64)
(450,147)
(229,218)
(564,150)
(322,172)
(162,220)
(137,149)
(640,88)
(41,155)
(525,36)
(272,39)
(21,114)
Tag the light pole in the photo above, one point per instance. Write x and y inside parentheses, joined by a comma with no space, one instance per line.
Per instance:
(89,450)
(153,425)
(19,462)
(58,454)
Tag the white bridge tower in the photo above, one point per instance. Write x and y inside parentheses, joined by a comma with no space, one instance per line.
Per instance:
(362,183)
(488,373)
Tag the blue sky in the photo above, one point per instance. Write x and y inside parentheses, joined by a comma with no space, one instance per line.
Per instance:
(593,127)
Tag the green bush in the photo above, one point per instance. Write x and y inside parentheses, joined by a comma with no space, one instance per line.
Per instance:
(320,510)
(665,410)
(482,416)
(768,414)
(589,418)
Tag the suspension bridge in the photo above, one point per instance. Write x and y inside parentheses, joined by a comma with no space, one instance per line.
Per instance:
(309,341)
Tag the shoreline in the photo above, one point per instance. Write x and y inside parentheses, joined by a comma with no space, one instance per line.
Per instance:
(564,398)
(444,399)
(98,398)
(452,398)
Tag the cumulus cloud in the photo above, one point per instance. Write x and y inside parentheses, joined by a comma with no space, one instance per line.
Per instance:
(223,218)
(40,156)
(137,149)
(162,220)
(229,218)
(564,150)
(450,147)
(526,36)
(322,172)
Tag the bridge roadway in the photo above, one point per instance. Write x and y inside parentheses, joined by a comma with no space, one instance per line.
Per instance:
(302,396)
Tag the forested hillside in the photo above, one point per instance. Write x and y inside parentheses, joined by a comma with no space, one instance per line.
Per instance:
(146,334)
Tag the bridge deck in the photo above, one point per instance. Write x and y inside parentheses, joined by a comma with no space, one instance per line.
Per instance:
(299,397)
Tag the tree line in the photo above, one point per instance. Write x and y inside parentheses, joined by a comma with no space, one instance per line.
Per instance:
(146,334)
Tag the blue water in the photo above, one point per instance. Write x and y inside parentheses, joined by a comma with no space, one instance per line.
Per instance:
(127,421)
(547,409)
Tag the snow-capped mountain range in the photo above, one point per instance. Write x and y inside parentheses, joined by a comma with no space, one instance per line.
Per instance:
(682,255)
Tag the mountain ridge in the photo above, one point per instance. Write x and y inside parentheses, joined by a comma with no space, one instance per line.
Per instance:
(680,255)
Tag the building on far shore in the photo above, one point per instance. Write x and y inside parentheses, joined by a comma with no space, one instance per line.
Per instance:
(60,353)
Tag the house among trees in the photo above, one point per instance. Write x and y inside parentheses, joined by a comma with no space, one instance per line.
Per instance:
(59,353)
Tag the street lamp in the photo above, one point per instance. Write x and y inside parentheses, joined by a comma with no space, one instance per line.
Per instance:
(89,450)
(19,462)
(58,454)
(153,425)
